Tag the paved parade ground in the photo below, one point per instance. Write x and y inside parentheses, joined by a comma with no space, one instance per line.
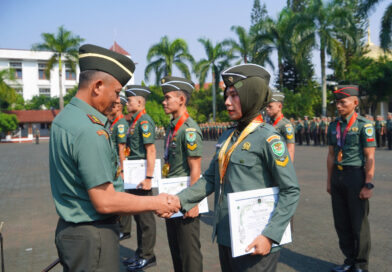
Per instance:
(30,218)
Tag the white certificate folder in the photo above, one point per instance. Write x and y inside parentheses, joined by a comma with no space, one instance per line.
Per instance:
(249,214)
(173,186)
(135,172)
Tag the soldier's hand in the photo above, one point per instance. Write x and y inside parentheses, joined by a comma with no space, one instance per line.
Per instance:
(145,184)
(192,213)
(168,205)
(261,244)
(365,193)
(329,188)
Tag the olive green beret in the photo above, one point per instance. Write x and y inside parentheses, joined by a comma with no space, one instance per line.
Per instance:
(123,100)
(92,57)
(277,97)
(137,90)
(171,83)
(240,72)
(343,91)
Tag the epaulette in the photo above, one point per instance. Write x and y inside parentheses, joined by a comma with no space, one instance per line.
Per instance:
(95,119)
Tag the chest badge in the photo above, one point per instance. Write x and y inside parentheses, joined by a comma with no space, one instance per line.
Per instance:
(246,146)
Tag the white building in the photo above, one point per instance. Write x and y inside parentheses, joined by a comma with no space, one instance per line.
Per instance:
(30,76)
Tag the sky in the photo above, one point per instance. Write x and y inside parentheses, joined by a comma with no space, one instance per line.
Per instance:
(137,25)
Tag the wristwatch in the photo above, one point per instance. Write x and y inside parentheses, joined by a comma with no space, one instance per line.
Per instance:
(369,185)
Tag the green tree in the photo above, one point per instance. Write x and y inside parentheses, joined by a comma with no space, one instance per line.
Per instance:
(8,122)
(65,48)
(41,102)
(164,55)
(8,95)
(244,46)
(386,22)
(216,61)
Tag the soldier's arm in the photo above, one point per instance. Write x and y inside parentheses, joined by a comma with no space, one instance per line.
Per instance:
(330,161)
(291,149)
(195,171)
(151,155)
(369,171)
(121,154)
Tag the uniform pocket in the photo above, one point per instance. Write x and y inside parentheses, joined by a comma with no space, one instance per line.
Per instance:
(244,158)
(352,139)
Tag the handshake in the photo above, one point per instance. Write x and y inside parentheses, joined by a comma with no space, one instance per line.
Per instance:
(167,205)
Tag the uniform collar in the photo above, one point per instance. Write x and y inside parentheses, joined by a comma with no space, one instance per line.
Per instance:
(135,114)
(88,109)
(173,122)
(345,120)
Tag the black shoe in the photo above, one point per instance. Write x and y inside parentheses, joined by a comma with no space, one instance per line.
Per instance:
(130,260)
(142,264)
(125,235)
(342,268)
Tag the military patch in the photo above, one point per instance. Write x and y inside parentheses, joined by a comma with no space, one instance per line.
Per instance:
(190,129)
(190,136)
(121,135)
(230,78)
(282,163)
(368,125)
(121,129)
(246,146)
(354,129)
(273,137)
(370,139)
(103,132)
(238,85)
(289,129)
(289,136)
(369,131)
(191,146)
(95,119)
(146,135)
(278,148)
(145,128)
(144,122)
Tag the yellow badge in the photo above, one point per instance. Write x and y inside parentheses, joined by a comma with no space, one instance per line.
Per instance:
(231,79)
(121,135)
(368,125)
(103,132)
(246,146)
(289,136)
(282,163)
(190,129)
(273,137)
(354,129)
(146,135)
(191,147)
(163,80)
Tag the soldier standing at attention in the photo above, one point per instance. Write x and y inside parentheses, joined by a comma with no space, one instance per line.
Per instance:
(378,126)
(350,165)
(307,130)
(389,130)
(141,142)
(250,156)
(84,171)
(280,123)
(118,130)
(300,130)
(183,150)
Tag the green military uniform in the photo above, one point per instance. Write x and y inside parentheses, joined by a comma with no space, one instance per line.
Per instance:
(81,157)
(261,160)
(307,131)
(118,132)
(378,127)
(389,130)
(284,126)
(183,234)
(299,129)
(142,132)
(347,179)
(323,125)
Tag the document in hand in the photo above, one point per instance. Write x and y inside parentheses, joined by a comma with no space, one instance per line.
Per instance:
(173,186)
(249,213)
(135,172)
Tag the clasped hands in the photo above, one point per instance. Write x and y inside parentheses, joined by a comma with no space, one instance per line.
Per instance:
(170,204)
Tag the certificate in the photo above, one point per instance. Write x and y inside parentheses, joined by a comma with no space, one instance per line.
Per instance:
(249,214)
(135,172)
(173,186)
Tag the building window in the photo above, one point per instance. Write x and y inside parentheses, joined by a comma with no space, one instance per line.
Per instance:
(69,74)
(41,71)
(17,66)
(44,91)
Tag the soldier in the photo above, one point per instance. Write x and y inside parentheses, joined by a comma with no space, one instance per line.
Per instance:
(37,134)
(280,123)
(300,130)
(183,150)
(313,131)
(389,130)
(253,162)
(350,165)
(84,172)
(383,131)
(307,130)
(141,143)
(323,130)
(118,130)
(379,130)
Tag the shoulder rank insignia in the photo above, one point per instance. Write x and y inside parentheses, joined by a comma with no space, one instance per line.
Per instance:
(191,147)
(282,163)
(103,132)
(289,136)
(146,135)
(273,137)
(95,119)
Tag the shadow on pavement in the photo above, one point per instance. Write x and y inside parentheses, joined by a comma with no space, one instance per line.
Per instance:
(301,262)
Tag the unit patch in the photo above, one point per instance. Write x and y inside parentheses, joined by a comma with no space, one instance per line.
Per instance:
(145,128)
(278,148)
(121,129)
(103,132)
(190,136)
(369,131)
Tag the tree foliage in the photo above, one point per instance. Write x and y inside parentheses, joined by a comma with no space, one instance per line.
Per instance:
(8,95)
(8,122)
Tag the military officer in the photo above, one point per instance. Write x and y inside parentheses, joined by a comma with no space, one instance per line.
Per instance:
(389,130)
(250,156)
(141,142)
(183,150)
(84,172)
(281,123)
(307,130)
(350,165)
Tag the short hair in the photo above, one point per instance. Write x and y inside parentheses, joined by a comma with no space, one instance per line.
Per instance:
(86,77)
(186,95)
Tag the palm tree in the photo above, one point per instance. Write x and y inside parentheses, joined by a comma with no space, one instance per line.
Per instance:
(244,46)
(217,60)
(386,22)
(163,55)
(65,46)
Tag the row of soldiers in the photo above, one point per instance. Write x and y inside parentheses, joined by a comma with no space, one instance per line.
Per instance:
(315,130)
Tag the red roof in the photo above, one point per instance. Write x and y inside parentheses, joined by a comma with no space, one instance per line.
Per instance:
(207,85)
(118,49)
(34,116)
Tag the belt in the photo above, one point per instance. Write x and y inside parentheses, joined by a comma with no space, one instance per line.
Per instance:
(108,221)
(347,167)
